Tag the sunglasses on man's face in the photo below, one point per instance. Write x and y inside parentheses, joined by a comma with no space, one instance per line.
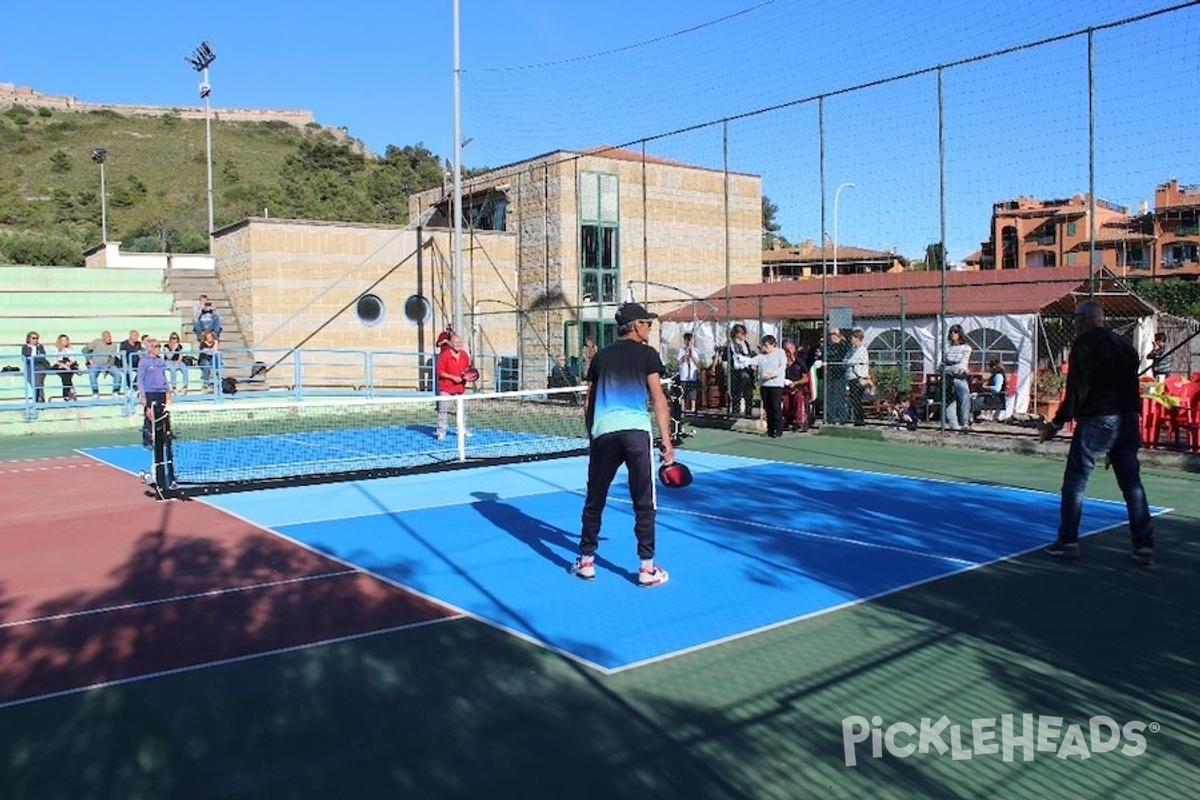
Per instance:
(649,323)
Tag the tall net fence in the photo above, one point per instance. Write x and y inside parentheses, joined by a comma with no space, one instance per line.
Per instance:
(891,160)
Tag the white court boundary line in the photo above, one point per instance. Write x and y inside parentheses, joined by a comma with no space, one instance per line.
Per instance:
(220,663)
(746,462)
(964,567)
(453,614)
(162,600)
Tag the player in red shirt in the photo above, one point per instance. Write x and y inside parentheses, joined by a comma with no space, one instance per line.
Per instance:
(453,362)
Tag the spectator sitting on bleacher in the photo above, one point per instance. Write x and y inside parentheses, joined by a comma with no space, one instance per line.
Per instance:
(210,359)
(991,397)
(65,365)
(131,350)
(101,358)
(33,359)
(172,354)
(206,319)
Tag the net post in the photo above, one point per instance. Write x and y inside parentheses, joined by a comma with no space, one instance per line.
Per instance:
(159,432)
(460,424)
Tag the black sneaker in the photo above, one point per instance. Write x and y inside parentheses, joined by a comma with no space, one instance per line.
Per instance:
(1062,549)
(1143,555)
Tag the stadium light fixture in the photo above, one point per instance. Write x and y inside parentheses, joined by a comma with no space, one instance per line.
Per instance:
(100,155)
(200,59)
(837,196)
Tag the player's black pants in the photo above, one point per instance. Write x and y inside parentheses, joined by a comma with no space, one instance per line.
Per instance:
(606,455)
(772,403)
(154,410)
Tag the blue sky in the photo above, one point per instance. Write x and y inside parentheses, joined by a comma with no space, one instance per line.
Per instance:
(546,74)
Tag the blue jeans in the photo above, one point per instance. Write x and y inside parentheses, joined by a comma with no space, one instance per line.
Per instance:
(177,371)
(99,368)
(1119,437)
(958,407)
(838,411)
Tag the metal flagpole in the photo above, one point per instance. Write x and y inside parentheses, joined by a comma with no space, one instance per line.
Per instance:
(456,246)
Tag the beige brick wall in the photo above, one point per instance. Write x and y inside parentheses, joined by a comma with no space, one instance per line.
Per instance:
(287,279)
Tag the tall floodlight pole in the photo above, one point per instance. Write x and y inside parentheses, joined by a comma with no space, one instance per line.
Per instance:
(200,59)
(100,155)
(837,196)
(456,247)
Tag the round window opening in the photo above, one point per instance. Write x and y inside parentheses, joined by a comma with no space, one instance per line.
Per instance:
(370,310)
(417,309)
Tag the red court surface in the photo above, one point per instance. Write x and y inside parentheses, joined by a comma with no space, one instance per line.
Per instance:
(101,583)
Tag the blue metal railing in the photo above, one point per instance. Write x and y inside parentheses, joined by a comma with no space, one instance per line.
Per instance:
(233,375)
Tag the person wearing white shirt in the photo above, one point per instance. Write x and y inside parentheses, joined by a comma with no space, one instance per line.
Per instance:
(956,368)
(771,364)
(858,376)
(689,373)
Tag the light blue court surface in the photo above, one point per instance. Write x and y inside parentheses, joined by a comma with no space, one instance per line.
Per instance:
(750,544)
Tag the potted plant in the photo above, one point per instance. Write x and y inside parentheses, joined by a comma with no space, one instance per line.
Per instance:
(1050,386)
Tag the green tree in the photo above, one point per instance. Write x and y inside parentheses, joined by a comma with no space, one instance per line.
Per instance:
(229,172)
(40,250)
(770,227)
(935,257)
(1178,297)
(60,162)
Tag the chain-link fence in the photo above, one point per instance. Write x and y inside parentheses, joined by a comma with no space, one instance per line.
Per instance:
(672,218)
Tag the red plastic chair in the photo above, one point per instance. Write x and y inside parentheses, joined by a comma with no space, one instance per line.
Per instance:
(1153,413)
(1191,427)
(1183,420)
(1173,420)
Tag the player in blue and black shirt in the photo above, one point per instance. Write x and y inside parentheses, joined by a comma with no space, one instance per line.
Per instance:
(621,379)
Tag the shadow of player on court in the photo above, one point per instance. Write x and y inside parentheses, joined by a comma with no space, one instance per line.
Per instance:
(539,536)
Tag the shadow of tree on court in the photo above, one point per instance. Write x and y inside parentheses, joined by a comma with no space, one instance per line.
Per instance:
(464,710)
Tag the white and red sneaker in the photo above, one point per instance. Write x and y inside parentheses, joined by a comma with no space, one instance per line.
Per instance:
(584,568)
(653,575)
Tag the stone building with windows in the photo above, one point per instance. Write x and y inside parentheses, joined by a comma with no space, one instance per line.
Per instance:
(550,247)
(567,236)
(1028,233)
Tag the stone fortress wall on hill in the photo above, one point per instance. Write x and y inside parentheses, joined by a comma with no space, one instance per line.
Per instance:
(11,95)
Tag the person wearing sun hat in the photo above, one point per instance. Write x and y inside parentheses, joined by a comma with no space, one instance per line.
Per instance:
(621,379)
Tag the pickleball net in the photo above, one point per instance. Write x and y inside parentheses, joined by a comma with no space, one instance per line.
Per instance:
(231,446)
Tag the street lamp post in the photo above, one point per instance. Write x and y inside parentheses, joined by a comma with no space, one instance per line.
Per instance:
(100,155)
(200,59)
(837,196)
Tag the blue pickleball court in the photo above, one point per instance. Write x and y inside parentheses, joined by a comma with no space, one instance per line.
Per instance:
(750,545)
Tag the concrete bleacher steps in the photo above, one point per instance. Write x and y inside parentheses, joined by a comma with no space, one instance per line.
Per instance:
(81,329)
(81,303)
(122,303)
(80,279)
(186,285)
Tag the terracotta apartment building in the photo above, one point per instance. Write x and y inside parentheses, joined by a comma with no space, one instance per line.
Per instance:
(1028,233)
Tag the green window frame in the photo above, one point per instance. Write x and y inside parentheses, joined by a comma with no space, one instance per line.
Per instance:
(599,238)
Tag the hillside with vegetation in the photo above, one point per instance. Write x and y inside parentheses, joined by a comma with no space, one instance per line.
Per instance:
(156,184)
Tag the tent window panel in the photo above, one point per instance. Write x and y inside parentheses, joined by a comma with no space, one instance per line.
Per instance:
(987,344)
(893,348)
